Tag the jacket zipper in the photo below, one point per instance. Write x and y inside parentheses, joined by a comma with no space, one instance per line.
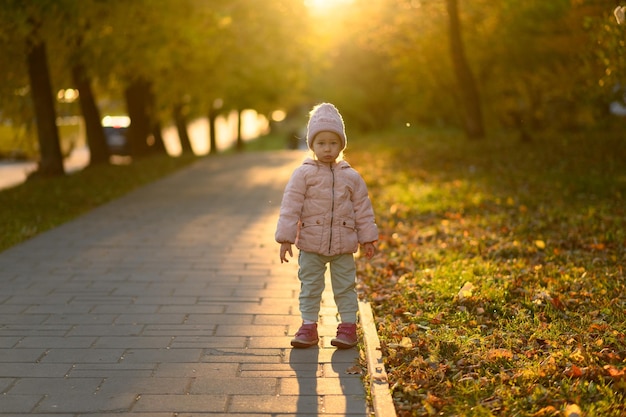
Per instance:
(332,210)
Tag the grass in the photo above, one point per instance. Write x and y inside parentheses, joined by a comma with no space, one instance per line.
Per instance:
(499,289)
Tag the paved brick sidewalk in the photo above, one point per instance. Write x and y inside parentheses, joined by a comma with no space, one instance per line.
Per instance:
(170,301)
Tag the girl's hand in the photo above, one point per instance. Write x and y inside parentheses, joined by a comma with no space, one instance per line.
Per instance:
(369,249)
(284,249)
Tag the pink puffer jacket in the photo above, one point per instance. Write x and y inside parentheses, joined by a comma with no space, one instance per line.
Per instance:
(326,209)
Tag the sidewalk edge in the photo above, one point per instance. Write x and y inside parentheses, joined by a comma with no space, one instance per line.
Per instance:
(379,384)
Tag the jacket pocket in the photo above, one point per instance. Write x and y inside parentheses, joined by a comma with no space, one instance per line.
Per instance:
(311,234)
(348,223)
(348,235)
(311,221)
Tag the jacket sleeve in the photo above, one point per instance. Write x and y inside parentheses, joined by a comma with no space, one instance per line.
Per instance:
(366,228)
(291,208)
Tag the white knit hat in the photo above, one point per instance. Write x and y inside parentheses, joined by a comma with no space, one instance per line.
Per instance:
(620,14)
(325,118)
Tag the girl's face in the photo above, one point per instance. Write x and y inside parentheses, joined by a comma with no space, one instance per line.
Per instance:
(327,146)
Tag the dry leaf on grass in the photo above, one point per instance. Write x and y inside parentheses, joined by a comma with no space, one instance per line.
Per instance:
(466,291)
(572,410)
(496,354)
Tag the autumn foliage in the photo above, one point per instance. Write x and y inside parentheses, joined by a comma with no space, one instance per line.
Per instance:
(499,288)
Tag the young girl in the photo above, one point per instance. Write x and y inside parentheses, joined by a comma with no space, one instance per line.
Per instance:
(326,212)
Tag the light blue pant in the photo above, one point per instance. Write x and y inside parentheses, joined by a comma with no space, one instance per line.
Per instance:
(343,280)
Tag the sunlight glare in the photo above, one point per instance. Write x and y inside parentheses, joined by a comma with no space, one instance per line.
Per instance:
(325,6)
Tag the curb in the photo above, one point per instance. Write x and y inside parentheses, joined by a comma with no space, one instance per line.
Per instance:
(379,384)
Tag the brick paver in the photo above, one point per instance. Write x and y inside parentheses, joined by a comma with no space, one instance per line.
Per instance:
(170,301)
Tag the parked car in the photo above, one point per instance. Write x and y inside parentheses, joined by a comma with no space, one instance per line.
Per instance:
(116,133)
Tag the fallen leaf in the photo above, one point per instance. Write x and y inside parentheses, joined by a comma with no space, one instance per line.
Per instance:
(399,311)
(614,372)
(495,354)
(572,410)
(556,303)
(406,343)
(466,291)
(609,355)
(432,411)
(598,246)
(546,412)
(574,372)
(540,244)
(380,378)
(435,401)
(541,297)
(438,319)
(354,370)
(578,355)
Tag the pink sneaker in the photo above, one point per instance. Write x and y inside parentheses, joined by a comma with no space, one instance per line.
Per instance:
(346,336)
(306,336)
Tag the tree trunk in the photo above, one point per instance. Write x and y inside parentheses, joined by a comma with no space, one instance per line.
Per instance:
(137,103)
(240,144)
(212,132)
(96,140)
(51,159)
(181,127)
(159,144)
(470,100)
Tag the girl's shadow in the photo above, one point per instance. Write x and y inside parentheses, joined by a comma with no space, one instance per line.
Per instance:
(327,382)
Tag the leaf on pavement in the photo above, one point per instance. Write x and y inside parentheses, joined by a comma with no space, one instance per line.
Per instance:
(354,370)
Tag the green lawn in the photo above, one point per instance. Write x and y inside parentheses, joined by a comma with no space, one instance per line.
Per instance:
(499,288)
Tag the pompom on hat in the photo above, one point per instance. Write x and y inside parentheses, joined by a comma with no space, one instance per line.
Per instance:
(325,118)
